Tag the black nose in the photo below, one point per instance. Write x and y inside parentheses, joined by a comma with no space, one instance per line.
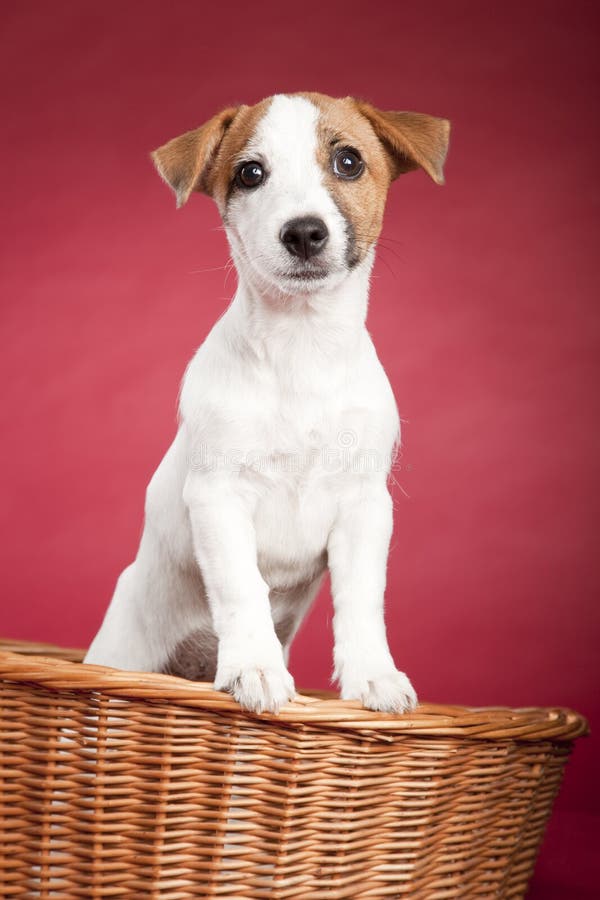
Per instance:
(305,236)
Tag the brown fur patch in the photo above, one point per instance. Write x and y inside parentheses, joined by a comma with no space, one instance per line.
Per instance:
(362,201)
(412,139)
(185,161)
(231,148)
(204,159)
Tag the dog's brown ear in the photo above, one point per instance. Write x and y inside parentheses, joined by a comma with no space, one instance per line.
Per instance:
(185,162)
(413,140)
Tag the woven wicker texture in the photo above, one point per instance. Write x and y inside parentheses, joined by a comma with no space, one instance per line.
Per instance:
(125,785)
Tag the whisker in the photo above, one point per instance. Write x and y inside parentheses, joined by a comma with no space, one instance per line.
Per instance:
(209,269)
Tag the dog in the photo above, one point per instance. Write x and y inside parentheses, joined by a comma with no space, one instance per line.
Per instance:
(287,421)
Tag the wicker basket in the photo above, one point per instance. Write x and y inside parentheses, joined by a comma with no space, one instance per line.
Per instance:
(121,785)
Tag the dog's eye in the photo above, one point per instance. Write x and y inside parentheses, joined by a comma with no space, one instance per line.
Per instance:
(347,163)
(250,175)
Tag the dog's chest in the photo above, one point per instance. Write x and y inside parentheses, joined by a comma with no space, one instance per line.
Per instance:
(302,462)
(292,523)
(292,439)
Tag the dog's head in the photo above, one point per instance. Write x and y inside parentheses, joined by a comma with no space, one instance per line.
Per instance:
(301,181)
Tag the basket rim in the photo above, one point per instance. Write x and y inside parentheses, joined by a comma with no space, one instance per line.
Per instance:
(60,669)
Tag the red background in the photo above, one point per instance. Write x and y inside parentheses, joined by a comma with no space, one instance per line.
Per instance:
(483,311)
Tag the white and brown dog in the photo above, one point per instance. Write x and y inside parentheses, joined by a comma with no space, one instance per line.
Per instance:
(288,423)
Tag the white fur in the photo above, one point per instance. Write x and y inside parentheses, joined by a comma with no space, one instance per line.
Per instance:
(288,425)
(286,140)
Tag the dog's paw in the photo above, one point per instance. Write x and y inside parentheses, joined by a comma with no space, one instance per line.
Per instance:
(257,688)
(388,691)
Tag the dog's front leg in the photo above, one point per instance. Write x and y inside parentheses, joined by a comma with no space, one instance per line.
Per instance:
(357,551)
(250,662)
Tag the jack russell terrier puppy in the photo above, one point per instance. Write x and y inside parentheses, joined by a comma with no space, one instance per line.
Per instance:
(288,423)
